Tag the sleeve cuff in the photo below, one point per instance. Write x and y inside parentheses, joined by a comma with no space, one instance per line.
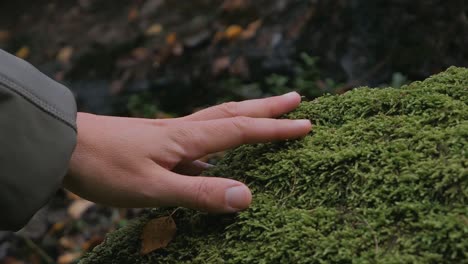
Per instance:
(38,136)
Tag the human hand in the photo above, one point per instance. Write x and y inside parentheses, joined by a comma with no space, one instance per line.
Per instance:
(133,162)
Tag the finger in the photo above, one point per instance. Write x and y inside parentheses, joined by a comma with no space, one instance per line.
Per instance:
(208,194)
(192,168)
(268,107)
(196,139)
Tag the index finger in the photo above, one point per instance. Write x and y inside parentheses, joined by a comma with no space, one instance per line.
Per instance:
(266,108)
(197,139)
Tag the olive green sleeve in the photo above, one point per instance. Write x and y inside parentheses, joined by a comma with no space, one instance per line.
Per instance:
(37,138)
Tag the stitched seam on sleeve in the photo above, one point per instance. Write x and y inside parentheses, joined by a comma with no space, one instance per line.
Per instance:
(34,99)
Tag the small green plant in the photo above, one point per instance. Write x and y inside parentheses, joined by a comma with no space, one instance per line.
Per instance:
(141,105)
(398,80)
(307,80)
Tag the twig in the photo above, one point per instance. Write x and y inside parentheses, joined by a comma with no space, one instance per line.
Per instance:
(175,210)
(33,246)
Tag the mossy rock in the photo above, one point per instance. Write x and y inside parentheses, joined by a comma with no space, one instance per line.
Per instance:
(382,178)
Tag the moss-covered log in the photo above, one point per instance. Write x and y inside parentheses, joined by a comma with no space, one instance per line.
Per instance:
(382,178)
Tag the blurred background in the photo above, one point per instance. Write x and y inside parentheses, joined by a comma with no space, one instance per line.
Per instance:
(161,59)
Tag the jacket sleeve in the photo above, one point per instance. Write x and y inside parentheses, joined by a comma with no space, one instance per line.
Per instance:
(37,138)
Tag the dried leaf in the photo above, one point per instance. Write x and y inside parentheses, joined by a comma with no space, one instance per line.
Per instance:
(56,227)
(240,68)
(67,242)
(154,30)
(171,39)
(23,52)
(78,207)
(65,54)
(91,243)
(233,32)
(68,257)
(220,65)
(234,5)
(218,37)
(157,234)
(72,196)
(178,49)
(252,29)
(133,14)
(11,260)
(140,53)
(4,35)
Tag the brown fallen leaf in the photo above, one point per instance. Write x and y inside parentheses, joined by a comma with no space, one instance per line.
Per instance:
(56,227)
(65,54)
(171,39)
(72,196)
(67,242)
(252,29)
(240,68)
(140,53)
(234,5)
(218,37)
(154,30)
(11,260)
(78,207)
(4,35)
(157,234)
(220,64)
(68,257)
(133,14)
(91,243)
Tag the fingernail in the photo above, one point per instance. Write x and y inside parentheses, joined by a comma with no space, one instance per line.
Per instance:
(238,197)
(303,122)
(291,94)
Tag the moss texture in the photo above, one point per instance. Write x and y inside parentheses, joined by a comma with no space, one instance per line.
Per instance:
(381,179)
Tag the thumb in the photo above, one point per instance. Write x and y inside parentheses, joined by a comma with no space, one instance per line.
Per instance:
(209,194)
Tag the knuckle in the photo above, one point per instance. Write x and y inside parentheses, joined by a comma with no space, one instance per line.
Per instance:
(242,124)
(202,194)
(182,137)
(230,109)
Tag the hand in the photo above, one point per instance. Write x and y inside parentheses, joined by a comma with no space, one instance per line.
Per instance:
(132,162)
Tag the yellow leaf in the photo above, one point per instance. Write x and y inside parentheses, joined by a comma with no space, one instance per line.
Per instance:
(57,227)
(154,30)
(171,39)
(233,32)
(65,54)
(157,234)
(23,52)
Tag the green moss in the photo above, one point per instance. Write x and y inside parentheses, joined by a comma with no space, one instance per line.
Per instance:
(381,179)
